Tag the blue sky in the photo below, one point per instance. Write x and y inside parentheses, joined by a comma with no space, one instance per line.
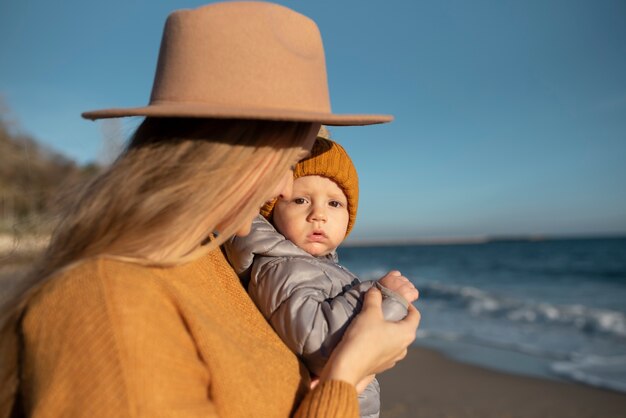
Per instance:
(510,115)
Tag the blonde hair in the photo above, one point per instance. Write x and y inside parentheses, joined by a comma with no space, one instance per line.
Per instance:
(181,187)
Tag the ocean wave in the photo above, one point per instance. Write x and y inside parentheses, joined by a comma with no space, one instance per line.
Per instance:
(604,372)
(463,337)
(481,303)
(617,275)
(608,372)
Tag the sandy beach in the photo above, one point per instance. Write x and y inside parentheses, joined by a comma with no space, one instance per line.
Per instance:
(427,384)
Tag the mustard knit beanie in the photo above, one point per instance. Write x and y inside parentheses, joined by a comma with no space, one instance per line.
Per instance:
(328,159)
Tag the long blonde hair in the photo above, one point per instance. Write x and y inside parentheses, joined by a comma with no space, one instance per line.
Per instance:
(179,182)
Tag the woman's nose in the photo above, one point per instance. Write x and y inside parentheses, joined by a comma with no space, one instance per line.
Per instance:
(286,188)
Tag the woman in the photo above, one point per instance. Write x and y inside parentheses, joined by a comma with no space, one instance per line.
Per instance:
(134,310)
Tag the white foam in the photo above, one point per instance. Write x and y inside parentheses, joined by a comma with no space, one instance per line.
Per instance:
(481,303)
(603,372)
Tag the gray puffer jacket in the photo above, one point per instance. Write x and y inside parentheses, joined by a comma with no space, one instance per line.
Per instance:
(309,301)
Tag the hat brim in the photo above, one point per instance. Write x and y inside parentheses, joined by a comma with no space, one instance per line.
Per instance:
(199,110)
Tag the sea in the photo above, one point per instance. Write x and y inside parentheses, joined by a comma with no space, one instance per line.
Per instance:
(551,308)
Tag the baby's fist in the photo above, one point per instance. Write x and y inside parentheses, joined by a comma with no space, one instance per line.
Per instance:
(395,281)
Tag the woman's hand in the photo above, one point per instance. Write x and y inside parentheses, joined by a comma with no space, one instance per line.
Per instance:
(371,345)
(360,387)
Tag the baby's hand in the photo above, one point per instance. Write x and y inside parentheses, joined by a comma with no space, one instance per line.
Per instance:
(395,281)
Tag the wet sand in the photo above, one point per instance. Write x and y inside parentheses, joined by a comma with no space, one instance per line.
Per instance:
(427,384)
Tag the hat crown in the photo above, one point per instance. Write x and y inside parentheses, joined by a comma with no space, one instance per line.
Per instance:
(242,54)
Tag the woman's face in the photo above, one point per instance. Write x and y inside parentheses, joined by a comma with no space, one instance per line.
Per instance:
(284,189)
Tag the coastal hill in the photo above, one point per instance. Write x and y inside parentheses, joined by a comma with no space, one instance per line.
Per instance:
(33,178)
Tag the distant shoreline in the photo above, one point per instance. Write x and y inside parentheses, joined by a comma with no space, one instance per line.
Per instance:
(19,244)
(476,240)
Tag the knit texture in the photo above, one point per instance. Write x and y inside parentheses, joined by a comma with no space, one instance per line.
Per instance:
(328,159)
(109,338)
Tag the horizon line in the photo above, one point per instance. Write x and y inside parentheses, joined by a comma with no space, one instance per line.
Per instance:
(478,239)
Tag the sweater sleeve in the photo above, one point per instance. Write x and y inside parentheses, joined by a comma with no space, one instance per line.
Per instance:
(93,351)
(295,297)
(331,399)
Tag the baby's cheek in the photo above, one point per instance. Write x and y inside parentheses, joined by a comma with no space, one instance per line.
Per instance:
(291,234)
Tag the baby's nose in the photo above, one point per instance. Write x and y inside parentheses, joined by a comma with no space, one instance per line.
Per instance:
(318,214)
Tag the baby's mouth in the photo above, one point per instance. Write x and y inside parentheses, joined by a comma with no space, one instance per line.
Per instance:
(317,235)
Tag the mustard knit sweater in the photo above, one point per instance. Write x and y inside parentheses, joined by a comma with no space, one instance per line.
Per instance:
(113,339)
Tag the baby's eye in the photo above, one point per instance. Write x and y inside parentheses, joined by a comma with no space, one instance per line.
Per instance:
(335,204)
(299,201)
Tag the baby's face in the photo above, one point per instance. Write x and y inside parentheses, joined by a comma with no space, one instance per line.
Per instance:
(316,217)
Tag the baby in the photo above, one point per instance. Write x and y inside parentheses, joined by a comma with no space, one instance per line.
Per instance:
(291,269)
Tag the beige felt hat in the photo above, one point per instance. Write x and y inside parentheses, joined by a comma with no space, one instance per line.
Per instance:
(245,60)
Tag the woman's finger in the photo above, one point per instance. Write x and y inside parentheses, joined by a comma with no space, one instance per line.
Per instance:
(412,317)
(373,299)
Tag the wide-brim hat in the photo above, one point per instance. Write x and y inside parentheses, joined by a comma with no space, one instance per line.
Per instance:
(241,60)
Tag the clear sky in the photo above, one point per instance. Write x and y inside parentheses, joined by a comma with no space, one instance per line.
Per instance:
(510,115)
